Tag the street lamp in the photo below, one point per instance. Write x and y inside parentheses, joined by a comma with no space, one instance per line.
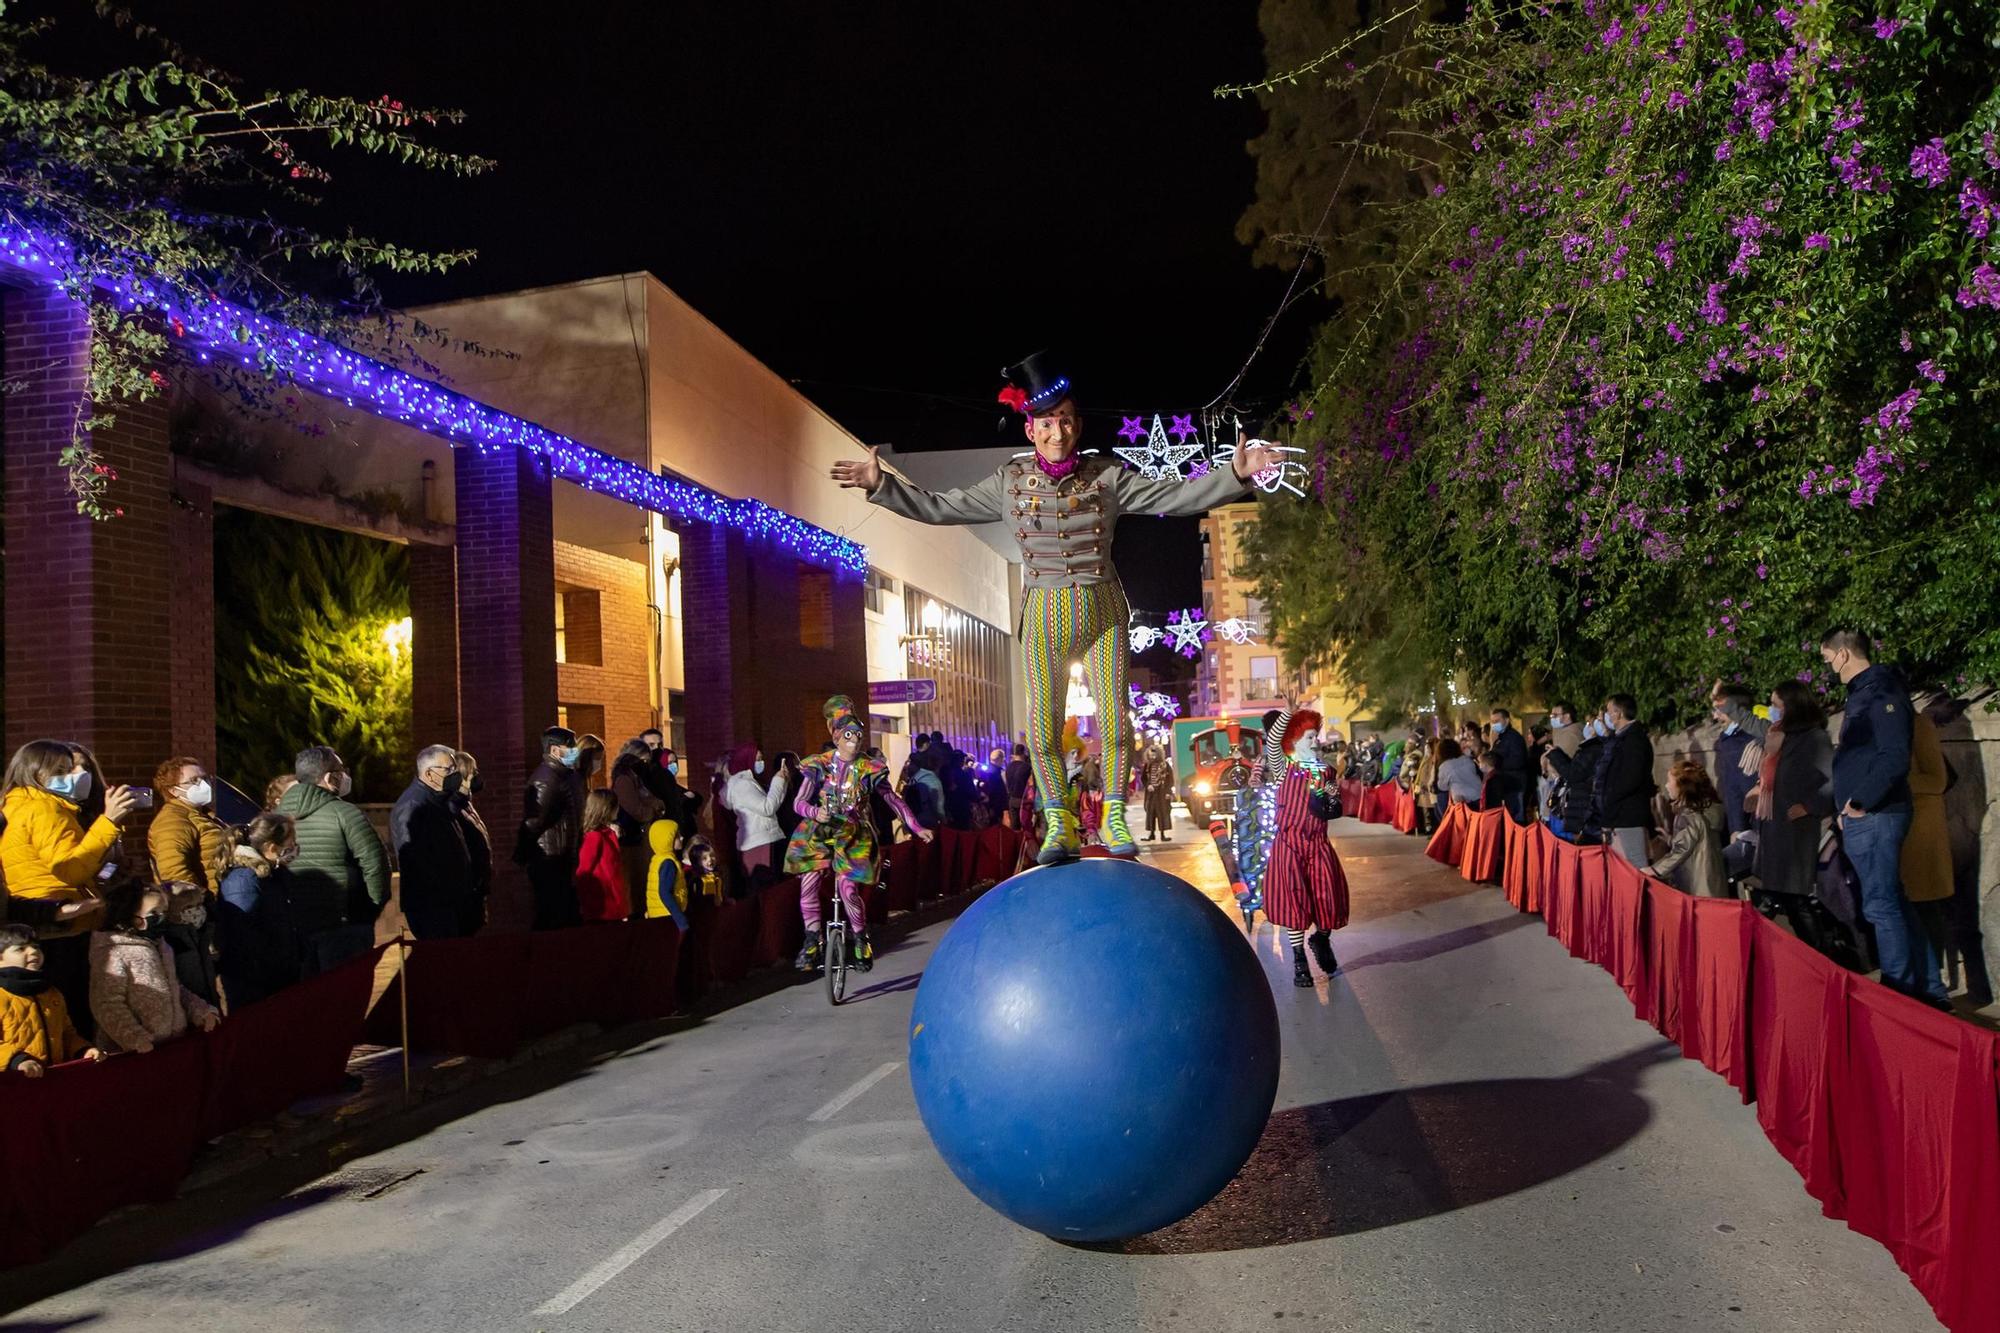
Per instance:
(396,637)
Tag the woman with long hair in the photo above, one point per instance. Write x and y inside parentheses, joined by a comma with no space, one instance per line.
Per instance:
(1794,792)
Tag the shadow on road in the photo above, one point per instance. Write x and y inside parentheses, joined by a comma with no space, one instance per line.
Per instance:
(1416,951)
(1362,1163)
(889,987)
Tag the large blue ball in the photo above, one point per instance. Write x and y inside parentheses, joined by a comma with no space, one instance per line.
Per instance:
(1094,1049)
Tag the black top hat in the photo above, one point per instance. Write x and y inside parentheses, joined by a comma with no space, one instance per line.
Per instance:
(1035,385)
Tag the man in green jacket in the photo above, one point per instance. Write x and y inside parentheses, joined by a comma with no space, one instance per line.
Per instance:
(340,881)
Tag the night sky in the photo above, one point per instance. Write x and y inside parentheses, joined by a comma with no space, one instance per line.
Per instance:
(884,202)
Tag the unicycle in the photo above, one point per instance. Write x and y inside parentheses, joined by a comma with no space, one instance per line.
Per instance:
(833,951)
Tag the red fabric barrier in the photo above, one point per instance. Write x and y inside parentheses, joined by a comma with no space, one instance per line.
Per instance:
(1889,1111)
(295,1044)
(88,1138)
(1479,858)
(1353,795)
(1447,845)
(999,847)
(899,872)
(1914,1113)
(1404,817)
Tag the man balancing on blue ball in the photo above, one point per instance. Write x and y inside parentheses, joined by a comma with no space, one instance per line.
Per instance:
(1064,508)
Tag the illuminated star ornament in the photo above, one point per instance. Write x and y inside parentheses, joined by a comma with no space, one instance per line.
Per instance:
(1146,636)
(1158,459)
(1187,630)
(1134,429)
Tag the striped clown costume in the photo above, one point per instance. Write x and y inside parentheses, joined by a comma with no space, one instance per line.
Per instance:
(1063,508)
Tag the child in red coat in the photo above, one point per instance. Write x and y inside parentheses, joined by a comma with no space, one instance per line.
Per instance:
(601,894)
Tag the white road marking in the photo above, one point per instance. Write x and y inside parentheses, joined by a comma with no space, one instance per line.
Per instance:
(838,1104)
(631,1253)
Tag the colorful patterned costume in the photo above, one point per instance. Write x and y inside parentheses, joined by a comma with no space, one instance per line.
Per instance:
(1073,607)
(842,844)
(1303,885)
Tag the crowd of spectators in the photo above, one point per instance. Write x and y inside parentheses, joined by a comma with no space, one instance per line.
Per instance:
(1845,838)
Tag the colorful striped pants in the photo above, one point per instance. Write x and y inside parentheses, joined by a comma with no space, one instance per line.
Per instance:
(1064,625)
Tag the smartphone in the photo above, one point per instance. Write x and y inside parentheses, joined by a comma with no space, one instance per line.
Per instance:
(142,797)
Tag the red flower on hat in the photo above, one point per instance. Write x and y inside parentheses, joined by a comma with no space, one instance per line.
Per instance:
(1015,397)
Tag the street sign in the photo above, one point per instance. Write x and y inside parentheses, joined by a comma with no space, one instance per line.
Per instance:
(902,691)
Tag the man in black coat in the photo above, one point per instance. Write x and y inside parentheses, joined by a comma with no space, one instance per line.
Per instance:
(1623,807)
(1510,762)
(439,879)
(552,831)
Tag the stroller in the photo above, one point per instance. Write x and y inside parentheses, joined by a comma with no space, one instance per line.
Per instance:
(1828,918)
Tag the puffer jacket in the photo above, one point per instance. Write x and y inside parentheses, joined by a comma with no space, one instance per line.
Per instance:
(35,1024)
(261,949)
(185,843)
(135,994)
(47,854)
(552,820)
(1693,862)
(666,892)
(341,875)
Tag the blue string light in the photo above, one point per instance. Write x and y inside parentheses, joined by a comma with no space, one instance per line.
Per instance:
(219,330)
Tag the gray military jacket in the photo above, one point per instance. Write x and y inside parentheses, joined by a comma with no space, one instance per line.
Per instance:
(1062,527)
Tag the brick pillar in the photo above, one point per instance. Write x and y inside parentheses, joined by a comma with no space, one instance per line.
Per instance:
(90,635)
(191,535)
(434,644)
(506,641)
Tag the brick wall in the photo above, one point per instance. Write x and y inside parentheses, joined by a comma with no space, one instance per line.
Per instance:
(89,606)
(745,609)
(618,622)
(506,640)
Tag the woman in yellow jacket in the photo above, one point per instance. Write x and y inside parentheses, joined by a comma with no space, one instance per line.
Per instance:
(48,856)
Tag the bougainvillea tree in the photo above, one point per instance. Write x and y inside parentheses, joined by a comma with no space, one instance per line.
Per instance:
(169,184)
(1688,354)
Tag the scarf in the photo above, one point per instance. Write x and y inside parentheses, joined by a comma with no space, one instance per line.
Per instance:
(1767,774)
(20,981)
(1057,471)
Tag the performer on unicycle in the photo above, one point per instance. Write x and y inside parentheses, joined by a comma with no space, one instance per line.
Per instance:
(836,836)
(1063,507)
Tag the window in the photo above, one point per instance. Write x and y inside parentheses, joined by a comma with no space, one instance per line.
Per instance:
(882,724)
(1253,609)
(579,626)
(877,590)
(1263,678)
(583,719)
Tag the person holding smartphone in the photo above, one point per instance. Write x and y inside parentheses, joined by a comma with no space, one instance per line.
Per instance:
(52,857)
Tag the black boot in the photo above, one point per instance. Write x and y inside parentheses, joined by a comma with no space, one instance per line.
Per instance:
(1322,947)
(1301,974)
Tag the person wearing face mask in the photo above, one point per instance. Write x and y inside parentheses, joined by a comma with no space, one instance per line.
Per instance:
(185,839)
(836,838)
(436,865)
(1737,752)
(1510,763)
(342,871)
(639,805)
(1623,800)
(135,993)
(1304,886)
(52,858)
(1064,507)
(551,831)
(260,938)
(478,842)
(1577,784)
(760,841)
(1871,793)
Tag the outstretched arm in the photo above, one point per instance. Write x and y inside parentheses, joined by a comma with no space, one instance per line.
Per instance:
(899,495)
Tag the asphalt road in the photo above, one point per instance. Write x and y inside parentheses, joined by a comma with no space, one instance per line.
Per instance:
(1472,1133)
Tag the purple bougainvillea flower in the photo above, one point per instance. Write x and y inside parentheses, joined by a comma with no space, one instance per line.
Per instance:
(1930,163)
(1819,240)
(1885,28)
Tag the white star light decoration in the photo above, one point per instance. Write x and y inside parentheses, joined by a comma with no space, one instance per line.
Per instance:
(1187,630)
(1153,705)
(1145,636)
(1156,459)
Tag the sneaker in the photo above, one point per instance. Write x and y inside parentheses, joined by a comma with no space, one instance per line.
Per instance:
(809,955)
(1062,844)
(1118,838)
(864,952)
(1322,951)
(1301,974)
